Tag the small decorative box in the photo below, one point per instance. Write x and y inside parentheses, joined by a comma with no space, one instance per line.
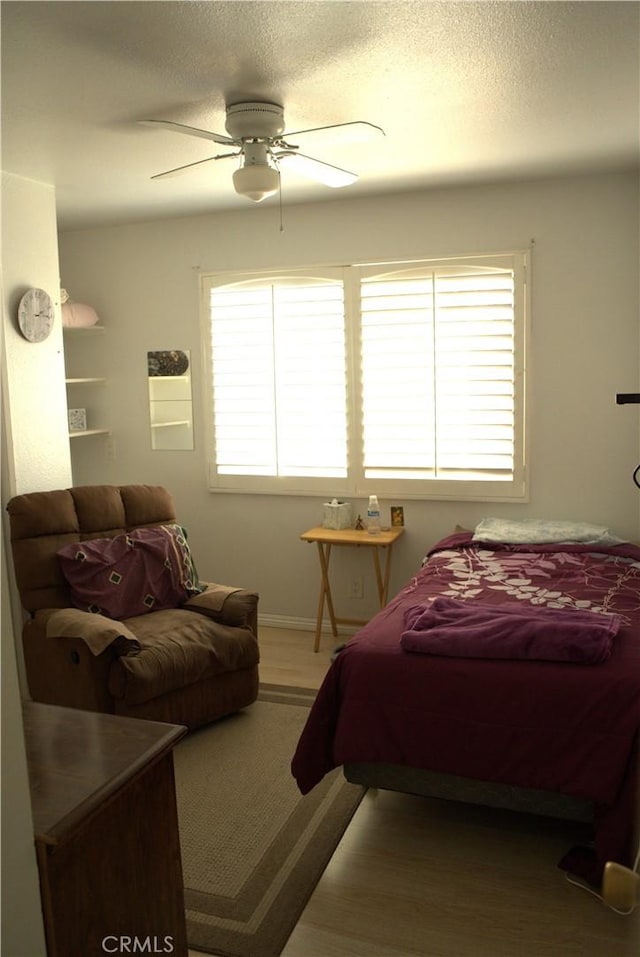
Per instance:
(77,420)
(337,515)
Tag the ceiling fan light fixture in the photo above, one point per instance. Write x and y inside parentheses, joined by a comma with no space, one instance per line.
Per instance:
(256,182)
(257,131)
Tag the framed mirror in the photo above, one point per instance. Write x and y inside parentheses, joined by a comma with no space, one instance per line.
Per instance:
(170,399)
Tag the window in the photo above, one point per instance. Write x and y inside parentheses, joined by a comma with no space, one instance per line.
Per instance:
(403,379)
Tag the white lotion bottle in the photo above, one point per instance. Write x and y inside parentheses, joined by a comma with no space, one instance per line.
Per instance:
(373,516)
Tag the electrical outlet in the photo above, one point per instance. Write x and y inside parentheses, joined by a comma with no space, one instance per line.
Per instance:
(110,448)
(356,588)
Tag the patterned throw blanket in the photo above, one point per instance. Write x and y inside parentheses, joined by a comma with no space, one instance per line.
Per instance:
(468,629)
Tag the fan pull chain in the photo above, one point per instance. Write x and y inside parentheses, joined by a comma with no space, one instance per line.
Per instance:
(280,200)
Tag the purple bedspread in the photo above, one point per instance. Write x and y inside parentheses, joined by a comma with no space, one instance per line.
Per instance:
(558,726)
(471,629)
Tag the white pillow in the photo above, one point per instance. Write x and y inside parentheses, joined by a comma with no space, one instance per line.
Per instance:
(536,531)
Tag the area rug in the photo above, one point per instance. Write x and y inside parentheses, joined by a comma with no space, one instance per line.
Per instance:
(253,848)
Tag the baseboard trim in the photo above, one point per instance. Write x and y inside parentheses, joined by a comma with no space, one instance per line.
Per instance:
(301,624)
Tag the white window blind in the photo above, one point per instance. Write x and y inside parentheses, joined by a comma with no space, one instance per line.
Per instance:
(279,378)
(399,379)
(439,373)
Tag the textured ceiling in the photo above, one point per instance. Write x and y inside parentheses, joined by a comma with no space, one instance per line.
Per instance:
(466,93)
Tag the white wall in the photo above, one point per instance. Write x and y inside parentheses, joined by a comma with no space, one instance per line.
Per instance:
(143,280)
(35,405)
(22,928)
(35,455)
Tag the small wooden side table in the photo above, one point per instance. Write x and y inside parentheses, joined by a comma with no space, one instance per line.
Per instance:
(325,539)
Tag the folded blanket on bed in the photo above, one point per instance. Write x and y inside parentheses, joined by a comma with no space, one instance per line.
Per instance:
(469,629)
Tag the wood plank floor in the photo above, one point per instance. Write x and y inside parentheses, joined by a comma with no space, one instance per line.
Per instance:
(415,877)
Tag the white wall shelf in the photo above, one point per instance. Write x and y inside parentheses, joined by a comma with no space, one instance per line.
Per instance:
(81,330)
(80,434)
(168,425)
(85,381)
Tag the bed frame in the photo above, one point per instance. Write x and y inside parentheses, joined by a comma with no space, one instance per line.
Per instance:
(450,787)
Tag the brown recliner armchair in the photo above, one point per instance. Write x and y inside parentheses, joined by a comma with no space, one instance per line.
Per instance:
(189,664)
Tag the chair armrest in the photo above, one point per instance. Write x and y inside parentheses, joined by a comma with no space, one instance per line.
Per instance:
(236,607)
(97,631)
(64,671)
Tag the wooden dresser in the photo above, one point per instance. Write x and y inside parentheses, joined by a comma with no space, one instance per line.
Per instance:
(106,832)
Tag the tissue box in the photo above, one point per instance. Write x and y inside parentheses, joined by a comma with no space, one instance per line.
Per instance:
(77,420)
(337,516)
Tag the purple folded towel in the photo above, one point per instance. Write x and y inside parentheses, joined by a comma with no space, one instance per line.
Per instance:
(469,629)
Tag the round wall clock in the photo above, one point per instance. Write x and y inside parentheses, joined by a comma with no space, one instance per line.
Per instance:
(35,315)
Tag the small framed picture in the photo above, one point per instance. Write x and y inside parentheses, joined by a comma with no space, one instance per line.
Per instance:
(77,420)
(397,516)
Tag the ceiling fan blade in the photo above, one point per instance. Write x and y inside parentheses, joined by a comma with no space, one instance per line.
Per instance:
(322,172)
(181,169)
(189,130)
(356,131)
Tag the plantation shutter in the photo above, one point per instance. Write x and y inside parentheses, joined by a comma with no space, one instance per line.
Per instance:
(279,377)
(401,379)
(438,364)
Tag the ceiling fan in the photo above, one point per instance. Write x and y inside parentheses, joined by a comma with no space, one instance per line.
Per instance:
(256,131)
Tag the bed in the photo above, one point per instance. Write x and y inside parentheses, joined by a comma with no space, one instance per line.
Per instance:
(515,725)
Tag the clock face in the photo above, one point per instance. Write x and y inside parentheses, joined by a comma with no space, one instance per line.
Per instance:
(35,315)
